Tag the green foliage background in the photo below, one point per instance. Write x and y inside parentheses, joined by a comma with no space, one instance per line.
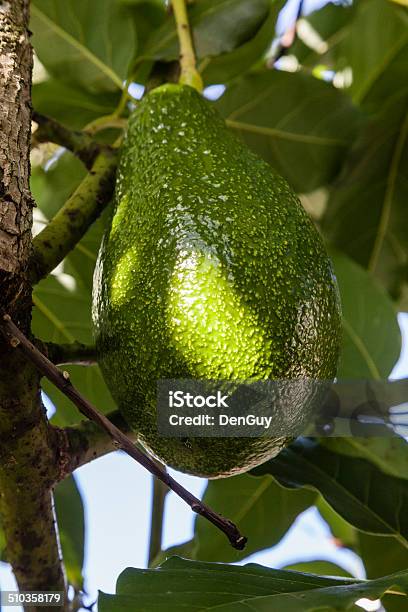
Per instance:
(345,151)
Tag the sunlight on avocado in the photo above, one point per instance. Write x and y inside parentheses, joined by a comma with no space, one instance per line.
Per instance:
(210,323)
(122,277)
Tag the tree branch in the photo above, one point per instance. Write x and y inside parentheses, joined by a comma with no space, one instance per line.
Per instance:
(27,445)
(71,222)
(79,143)
(62,382)
(74,353)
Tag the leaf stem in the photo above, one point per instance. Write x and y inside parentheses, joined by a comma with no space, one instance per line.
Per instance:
(189,73)
(61,380)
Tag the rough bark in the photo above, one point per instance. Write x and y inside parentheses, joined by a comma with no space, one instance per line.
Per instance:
(27,445)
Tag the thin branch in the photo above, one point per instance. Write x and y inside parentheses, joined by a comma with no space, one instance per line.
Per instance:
(62,382)
(71,222)
(74,353)
(157,514)
(79,143)
(189,73)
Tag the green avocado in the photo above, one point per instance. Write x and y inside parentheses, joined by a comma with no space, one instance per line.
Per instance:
(209,269)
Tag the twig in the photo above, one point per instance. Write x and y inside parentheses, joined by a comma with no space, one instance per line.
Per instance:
(74,353)
(71,222)
(156,525)
(62,382)
(79,143)
(189,73)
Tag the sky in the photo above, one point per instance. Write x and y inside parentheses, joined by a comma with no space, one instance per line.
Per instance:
(117,498)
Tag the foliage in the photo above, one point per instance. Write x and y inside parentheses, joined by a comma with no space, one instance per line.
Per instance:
(351,143)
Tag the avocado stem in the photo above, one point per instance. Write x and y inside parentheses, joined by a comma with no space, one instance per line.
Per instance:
(189,73)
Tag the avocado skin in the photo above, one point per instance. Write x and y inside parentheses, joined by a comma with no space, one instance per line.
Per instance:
(211,269)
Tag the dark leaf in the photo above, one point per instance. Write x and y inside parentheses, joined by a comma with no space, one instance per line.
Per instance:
(73,107)
(83,46)
(300,125)
(223,68)
(363,495)
(388,454)
(377,51)
(367,214)
(187,585)
(218,26)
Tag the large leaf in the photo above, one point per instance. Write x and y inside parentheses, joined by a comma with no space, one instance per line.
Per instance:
(186,585)
(262,508)
(71,524)
(89,43)
(363,495)
(223,68)
(71,106)
(377,51)
(218,26)
(301,125)
(390,454)
(371,339)
(367,213)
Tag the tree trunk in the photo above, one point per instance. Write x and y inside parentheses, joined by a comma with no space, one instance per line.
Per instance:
(27,447)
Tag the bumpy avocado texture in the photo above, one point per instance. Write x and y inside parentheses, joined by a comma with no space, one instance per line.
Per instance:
(209,269)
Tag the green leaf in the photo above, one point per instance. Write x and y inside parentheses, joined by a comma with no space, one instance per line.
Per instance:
(71,522)
(71,106)
(384,555)
(381,555)
(363,495)
(321,567)
(377,50)
(367,214)
(84,43)
(342,531)
(371,339)
(223,68)
(218,26)
(388,454)
(197,587)
(262,509)
(300,125)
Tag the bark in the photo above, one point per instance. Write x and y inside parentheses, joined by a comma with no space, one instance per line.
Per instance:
(27,444)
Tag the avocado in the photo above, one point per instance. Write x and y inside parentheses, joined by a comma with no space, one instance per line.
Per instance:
(209,269)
